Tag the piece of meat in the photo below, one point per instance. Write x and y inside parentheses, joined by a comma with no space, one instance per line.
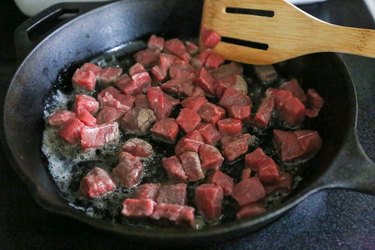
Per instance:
(287,145)
(263,116)
(242,113)
(250,210)
(209,37)
(191,48)
(84,79)
(136,69)
(165,130)
(211,113)
(173,167)
(142,80)
(141,101)
(205,81)
(85,102)
(84,116)
(188,120)
(232,97)
(190,142)
(314,103)
(128,170)
(248,191)
(280,96)
(112,97)
(147,57)
(246,173)
(70,131)
(235,146)
(173,194)
(156,42)
(198,91)
(181,70)
(109,114)
(193,102)
(284,183)
(136,208)
(292,112)
(208,199)
(295,88)
(147,191)
(109,74)
(160,71)
(255,159)
(97,182)
(138,147)
(214,60)
(60,117)
(126,84)
(268,172)
(160,102)
(201,58)
(91,67)
(222,180)
(137,121)
(266,73)
(236,82)
(192,166)
(100,135)
(309,141)
(226,70)
(177,47)
(210,157)
(178,214)
(209,133)
(229,126)
(178,87)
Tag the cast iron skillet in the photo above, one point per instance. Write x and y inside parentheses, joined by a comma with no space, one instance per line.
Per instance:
(341,163)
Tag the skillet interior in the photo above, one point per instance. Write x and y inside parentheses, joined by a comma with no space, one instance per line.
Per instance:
(124,21)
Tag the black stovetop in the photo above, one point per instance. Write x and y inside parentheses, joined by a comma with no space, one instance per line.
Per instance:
(335,219)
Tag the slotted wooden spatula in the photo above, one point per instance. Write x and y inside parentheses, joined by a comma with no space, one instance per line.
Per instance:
(269,31)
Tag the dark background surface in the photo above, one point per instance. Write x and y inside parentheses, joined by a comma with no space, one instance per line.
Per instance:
(335,219)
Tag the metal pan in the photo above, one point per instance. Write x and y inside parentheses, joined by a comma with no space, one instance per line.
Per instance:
(341,163)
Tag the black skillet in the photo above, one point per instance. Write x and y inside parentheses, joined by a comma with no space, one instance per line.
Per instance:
(341,163)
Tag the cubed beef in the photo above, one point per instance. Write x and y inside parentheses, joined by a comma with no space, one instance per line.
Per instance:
(214,60)
(201,58)
(60,117)
(156,42)
(205,81)
(147,57)
(136,69)
(91,67)
(109,74)
(292,112)
(193,102)
(268,172)
(236,82)
(141,101)
(229,126)
(160,102)
(96,183)
(175,213)
(137,207)
(284,183)
(126,84)
(142,80)
(211,113)
(84,116)
(190,142)
(177,47)
(314,103)
(210,157)
(85,102)
(209,133)
(138,147)
(287,145)
(208,199)
(84,79)
(309,141)
(178,86)
(192,48)
(266,73)
(181,70)
(250,210)
(100,135)
(242,113)
(70,131)
(255,159)
(172,194)
(248,191)
(137,121)
(246,173)
(222,180)
(295,88)
(188,120)
(263,116)
(112,97)
(280,97)
(160,70)
(209,37)
(173,167)
(129,170)
(235,146)
(147,191)
(192,166)
(198,91)
(109,114)
(165,130)
(225,70)
(232,97)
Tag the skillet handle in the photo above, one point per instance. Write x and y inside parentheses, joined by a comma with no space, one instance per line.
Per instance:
(352,169)
(33,30)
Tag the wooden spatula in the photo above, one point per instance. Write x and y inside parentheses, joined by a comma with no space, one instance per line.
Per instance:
(270,31)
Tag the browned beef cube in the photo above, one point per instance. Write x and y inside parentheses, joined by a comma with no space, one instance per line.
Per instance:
(190,142)
(70,131)
(210,157)
(255,159)
(250,210)
(314,102)
(173,194)
(211,113)
(236,82)
(214,60)
(222,180)
(205,81)
(84,116)
(137,121)
(84,79)
(266,73)
(191,165)
(60,117)
(109,114)
(188,119)
(173,167)
(141,101)
(235,146)
(263,116)
(178,86)
(234,97)
(210,38)
(230,126)
(292,112)
(177,47)
(137,207)
(147,57)
(192,48)
(175,213)
(229,69)
(160,102)
(208,199)
(129,170)
(147,191)
(181,70)
(96,183)
(165,130)
(112,97)
(193,102)
(309,141)
(242,113)
(248,191)
(295,88)
(156,42)
(284,183)
(100,135)
(85,102)
(109,74)
(138,147)
(209,133)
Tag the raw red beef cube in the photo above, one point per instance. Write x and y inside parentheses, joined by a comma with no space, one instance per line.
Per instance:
(85,102)
(160,70)
(248,191)
(210,157)
(178,87)
(229,126)
(100,135)
(112,97)
(188,120)
(222,180)
(136,69)
(156,42)
(250,210)
(236,82)
(198,91)
(266,73)
(246,173)
(235,146)
(165,130)
(142,80)
(172,194)
(137,121)
(190,142)
(210,38)
(192,48)
(263,116)
(137,207)
(209,133)
(193,102)
(147,191)
(226,70)
(292,112)
(109,74)
(233,97)
(202,57)
(284,183)
(91,67)
(268,172)
(211,113)
(60,117)
(173,167)
(138,147)
(255,159)
(177,47)
(214,60)
(175,213)
(181,70)
(314,102)
(309,141)
(287,144)
(70,131)
(85,117)
(84,79)
(191,165)
(126,84)
(108,115)
(129,170)
(208,199)
(280,97)
(205,81)
(240,112)
(160,102)
(147,57)
(141,101)
(96,183)
(295,88)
